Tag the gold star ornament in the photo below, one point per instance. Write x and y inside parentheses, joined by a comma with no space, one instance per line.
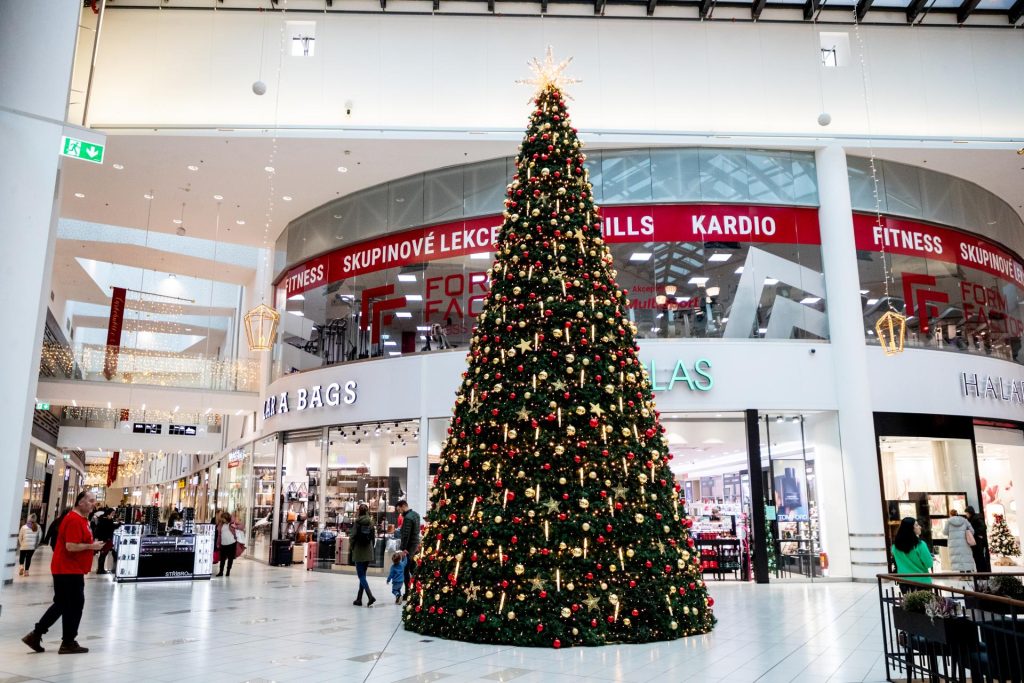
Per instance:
(471,590)
(591,602)
(537,583)
(548,73)
(524,346)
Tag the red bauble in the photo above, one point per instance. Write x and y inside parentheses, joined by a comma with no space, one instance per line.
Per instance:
(483,618)
(540,627)
(543,594)
(557,644)
(711,602)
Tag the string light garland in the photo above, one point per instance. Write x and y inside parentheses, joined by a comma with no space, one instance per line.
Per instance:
(891,327)
(555,517)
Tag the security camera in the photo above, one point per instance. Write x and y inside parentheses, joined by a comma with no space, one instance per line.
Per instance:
(180,230)
(813,351)
(348,108)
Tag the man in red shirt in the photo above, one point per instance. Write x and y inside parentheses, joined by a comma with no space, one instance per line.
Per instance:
(72,560)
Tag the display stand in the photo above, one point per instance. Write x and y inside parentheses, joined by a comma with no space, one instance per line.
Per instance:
(183,557)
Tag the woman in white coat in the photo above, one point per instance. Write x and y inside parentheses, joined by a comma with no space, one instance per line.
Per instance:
(28,541)
(960,540)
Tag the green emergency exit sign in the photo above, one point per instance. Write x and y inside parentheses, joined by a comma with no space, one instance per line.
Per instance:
(80,149)
(42,406)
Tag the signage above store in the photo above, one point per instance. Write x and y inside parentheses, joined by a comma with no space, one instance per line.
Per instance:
(316,397)
(696,377)
(910,238)
(182,430)
(701,223)
(147,428)
(235,458)
(1005,389)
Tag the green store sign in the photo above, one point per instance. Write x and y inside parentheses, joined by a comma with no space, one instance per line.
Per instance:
(697,377)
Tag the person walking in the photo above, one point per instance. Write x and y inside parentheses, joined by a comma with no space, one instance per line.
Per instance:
(105,532)
(910,553)
(28,540)
(51,533)
(410,543)
(362,538)
(960,542)
(228,543)
(980,547)
(396,577)
(72,560)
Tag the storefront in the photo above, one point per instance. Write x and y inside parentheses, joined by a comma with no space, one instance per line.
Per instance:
(727,275)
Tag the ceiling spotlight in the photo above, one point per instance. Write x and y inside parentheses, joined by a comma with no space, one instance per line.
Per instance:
(80,195)
(193,167)
(218,197)
(176,221)
(148,196)
(342,169)
(286,198)
(268,169)
(118,167)
(240,222)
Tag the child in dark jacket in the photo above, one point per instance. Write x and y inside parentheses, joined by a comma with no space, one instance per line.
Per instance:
(396,577)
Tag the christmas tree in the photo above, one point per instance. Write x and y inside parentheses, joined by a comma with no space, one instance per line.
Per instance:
(555,518)
(1001,541)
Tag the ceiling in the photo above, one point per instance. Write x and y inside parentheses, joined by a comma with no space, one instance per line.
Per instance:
(890,11)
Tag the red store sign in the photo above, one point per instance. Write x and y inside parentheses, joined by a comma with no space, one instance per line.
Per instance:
(910,238)
(620,224)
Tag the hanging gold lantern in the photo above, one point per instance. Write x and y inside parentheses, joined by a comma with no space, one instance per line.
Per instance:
(261,327)
(891,329)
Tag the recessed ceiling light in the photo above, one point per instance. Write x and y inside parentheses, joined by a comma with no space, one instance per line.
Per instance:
(268,169)
(720,257)
(193,167)
(176,221)
(872,302)
(298,313)
(414,297)
(407,277)
(240,222)
(810,300)
(188,329)
(342,169)
(403,314)
(337,216)
(148,196)
(218,197)
(771,281)
(640,256)
(118,167)
(80,195)
(482,256)
(739,271)
(699,281)
(286,198)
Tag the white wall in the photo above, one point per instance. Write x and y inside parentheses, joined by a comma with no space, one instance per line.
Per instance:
(457,73)
(747,374)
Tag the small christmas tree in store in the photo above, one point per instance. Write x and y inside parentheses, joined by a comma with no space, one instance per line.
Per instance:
(1001,541)
(556,520)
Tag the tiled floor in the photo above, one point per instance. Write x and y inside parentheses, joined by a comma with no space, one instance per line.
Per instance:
(274,624)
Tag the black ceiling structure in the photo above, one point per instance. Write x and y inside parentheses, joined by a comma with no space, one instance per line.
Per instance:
(937,12)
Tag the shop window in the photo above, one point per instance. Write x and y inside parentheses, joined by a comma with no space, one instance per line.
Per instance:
(1001,467)
(929,479)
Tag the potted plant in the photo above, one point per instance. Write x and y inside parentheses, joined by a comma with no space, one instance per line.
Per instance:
(933,618)
(1001,586)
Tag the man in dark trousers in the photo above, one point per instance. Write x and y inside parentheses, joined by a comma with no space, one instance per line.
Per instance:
(410,544)
(980,548)
(72,560)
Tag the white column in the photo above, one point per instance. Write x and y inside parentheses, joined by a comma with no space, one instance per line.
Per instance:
(37,44)
(846,331)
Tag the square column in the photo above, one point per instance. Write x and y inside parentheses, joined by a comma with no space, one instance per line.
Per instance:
(37,47)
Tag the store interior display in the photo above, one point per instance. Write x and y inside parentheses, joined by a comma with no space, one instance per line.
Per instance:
(142,556)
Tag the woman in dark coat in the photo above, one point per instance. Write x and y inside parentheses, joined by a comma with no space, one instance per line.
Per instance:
(362,537)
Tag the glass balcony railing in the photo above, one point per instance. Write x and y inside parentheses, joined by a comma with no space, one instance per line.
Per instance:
(96,363)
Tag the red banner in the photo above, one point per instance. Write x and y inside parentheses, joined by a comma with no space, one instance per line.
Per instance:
(620,224)
(112,468)
(910,238)
(114,325)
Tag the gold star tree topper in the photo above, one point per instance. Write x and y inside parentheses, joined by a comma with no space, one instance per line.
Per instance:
(548,73)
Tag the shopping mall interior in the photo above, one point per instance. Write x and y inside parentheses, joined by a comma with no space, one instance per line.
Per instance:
(265,259)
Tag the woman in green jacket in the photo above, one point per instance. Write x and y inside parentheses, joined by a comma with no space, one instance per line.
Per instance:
(910,553)
(362,538)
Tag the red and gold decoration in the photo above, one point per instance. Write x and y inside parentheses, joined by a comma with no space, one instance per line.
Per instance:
(261,327)
(556,520)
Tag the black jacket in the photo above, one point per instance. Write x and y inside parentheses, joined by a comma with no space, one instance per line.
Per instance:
(410,531)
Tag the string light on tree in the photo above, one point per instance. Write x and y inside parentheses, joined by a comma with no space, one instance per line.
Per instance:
(554,508)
